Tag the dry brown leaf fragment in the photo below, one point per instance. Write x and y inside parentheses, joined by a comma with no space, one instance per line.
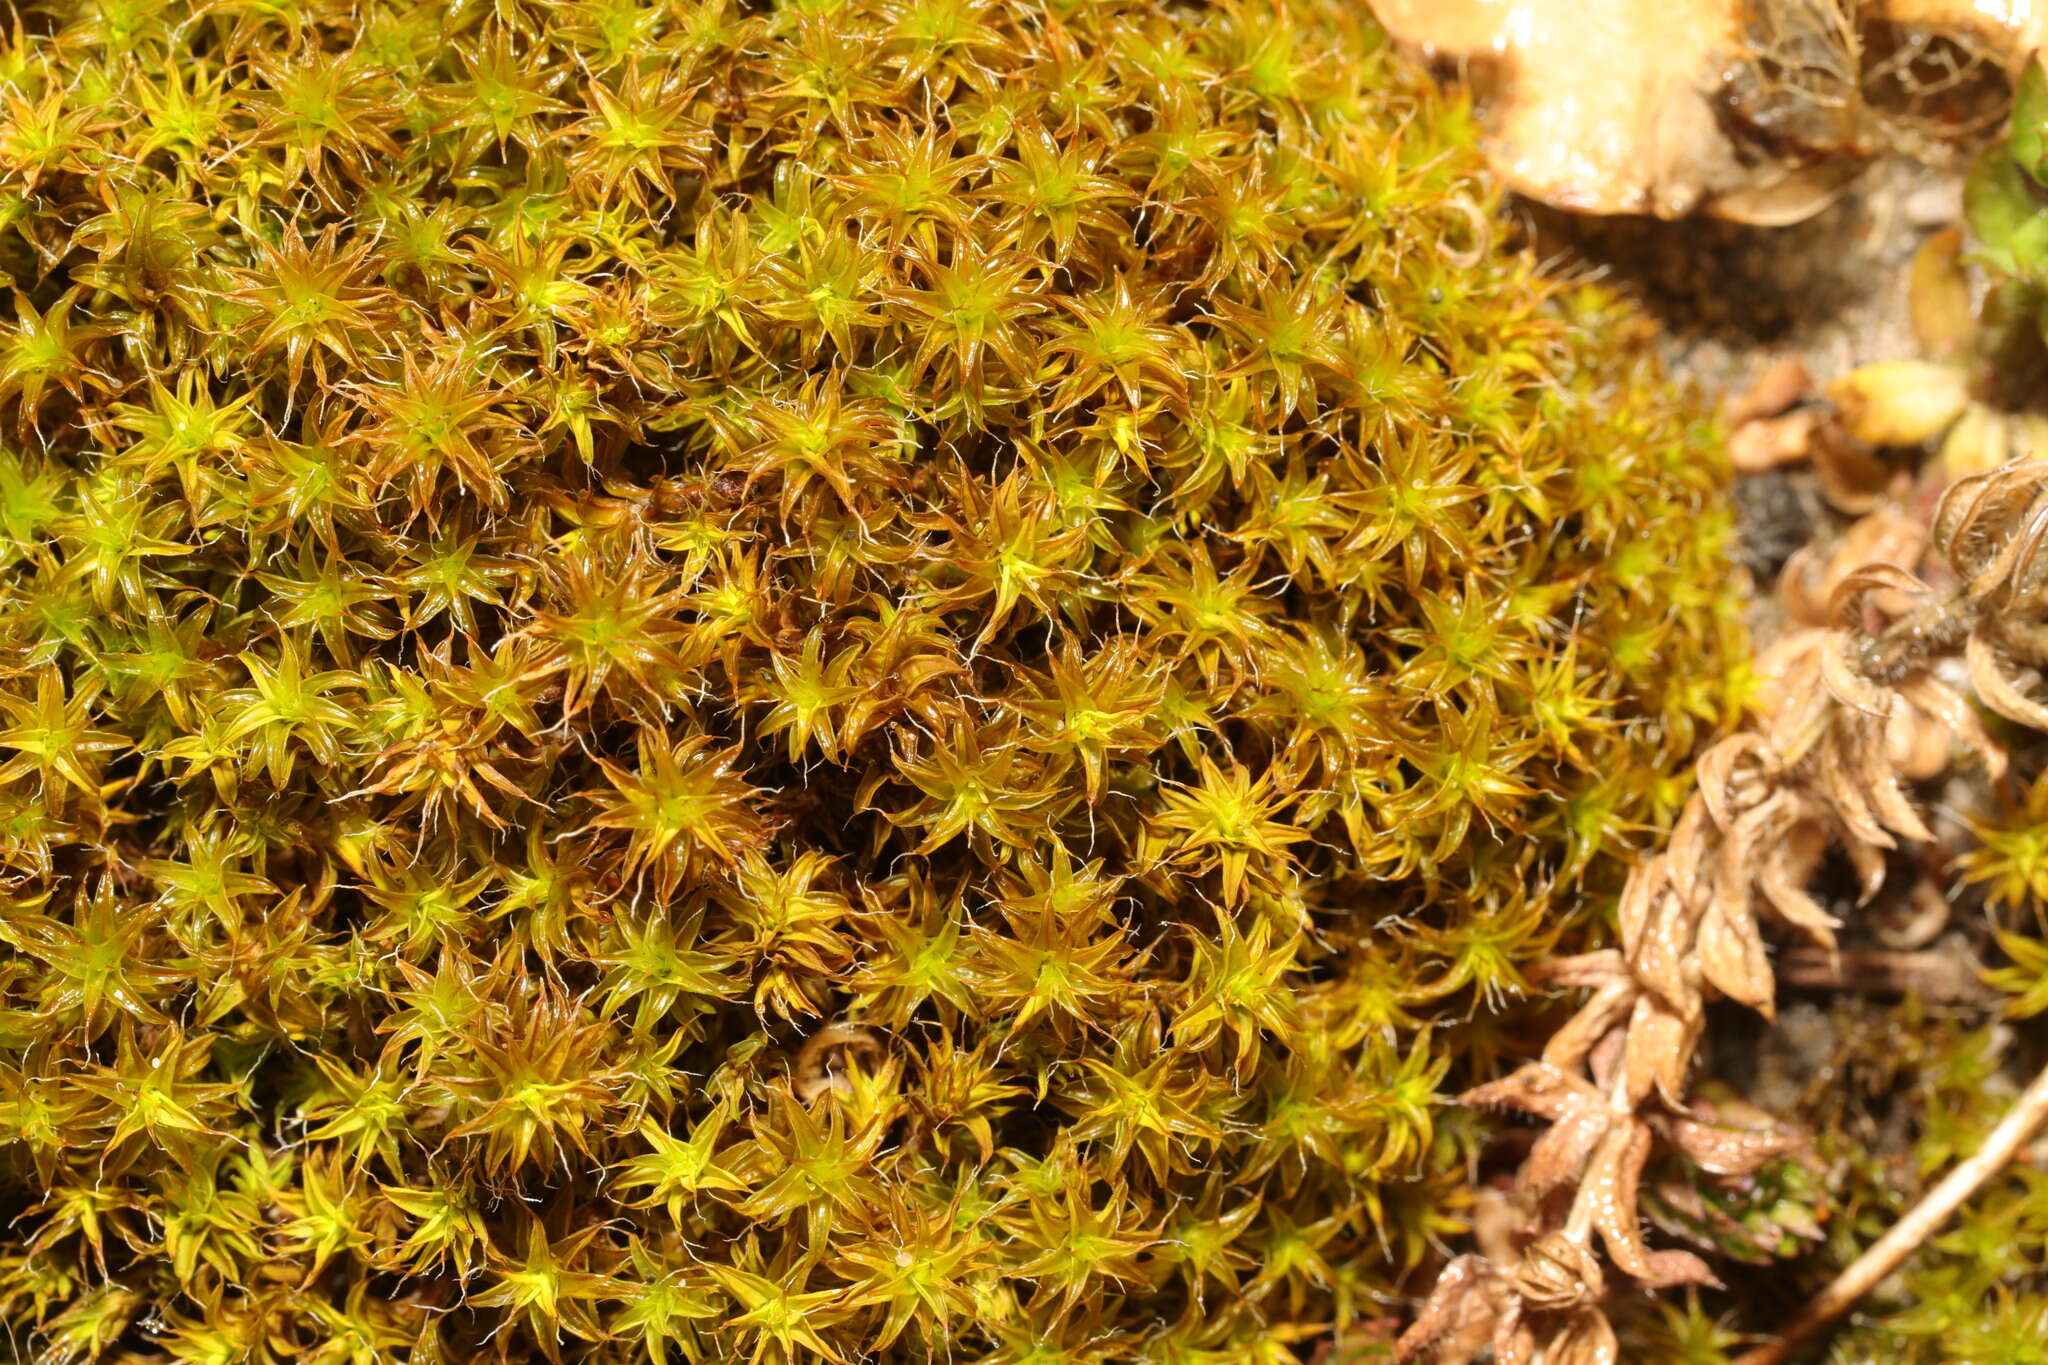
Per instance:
(1870,866)
(1939,298)
(1601,967)
(1780,384)
(1608,1057)
(1646,884)
(1900,402)
(1794,710)
(1768,442)
(1853,480)
(1682,1196)
(1872,566)
(1499,1222)
(1673,1268)
(1690,838)
(1513,1341)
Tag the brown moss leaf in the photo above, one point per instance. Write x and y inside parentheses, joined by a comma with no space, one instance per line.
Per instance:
(1731,955)
(1609,1007)
(1661,957)
(1997,691)
(1718,774)
(1463,1314)
(1545,1091)
(1561,1152)
(1588,1339)
(1659,1049)
(1672,1268)
(1728,1149)
(1845,684)
(1943,702)
(1893,806)
(1612,1184)
(1559,1271)
(1783,876)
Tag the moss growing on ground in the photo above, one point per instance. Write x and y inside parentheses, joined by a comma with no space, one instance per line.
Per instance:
(852,680)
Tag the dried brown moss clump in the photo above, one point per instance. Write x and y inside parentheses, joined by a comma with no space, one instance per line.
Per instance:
(859,680)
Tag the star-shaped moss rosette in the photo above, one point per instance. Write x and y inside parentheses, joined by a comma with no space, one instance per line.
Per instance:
(851,679)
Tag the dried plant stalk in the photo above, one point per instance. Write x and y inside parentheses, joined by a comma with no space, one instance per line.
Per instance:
(1817,772)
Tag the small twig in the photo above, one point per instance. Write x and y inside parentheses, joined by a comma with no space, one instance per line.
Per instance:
(1921,1222)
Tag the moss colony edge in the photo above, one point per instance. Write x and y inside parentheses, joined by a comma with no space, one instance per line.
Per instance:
(554,553)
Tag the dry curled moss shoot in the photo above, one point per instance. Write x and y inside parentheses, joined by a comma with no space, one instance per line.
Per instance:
(1818,772)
